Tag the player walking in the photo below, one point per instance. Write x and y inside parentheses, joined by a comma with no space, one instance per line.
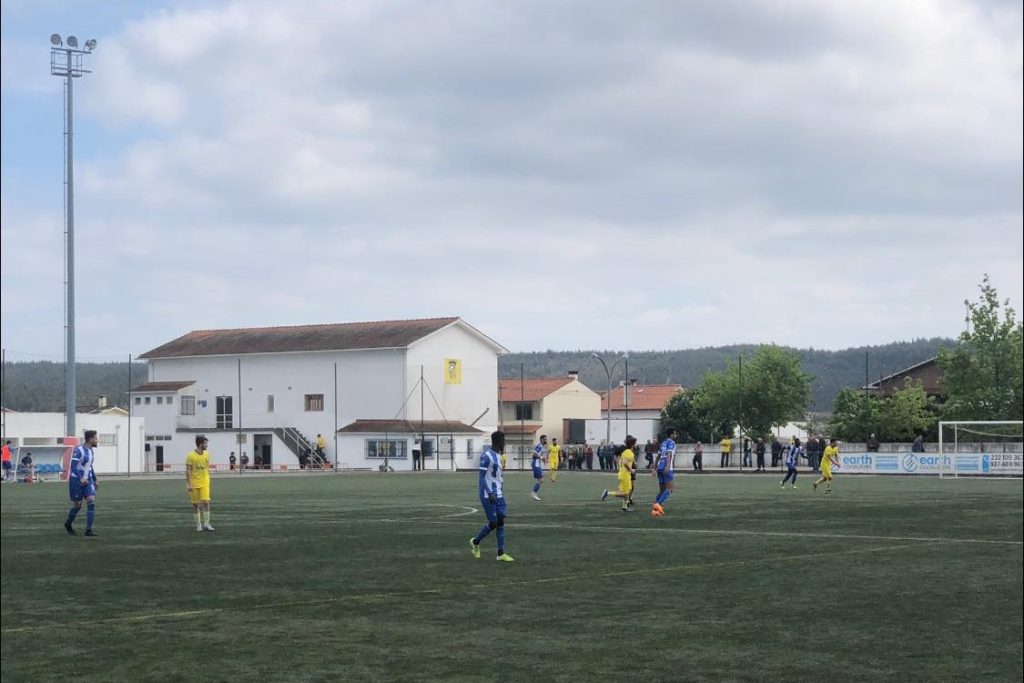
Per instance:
(627,476)
(491,498)
(82,483)
(535,464)
(665,472)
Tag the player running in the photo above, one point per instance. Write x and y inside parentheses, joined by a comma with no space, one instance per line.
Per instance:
(491,498)
(829,458)
(535,464)
(82,483)
(627,476)
(197,478)
(792,458)
(664,470)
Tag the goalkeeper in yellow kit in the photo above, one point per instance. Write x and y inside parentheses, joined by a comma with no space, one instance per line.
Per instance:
(829,459)
(197,478)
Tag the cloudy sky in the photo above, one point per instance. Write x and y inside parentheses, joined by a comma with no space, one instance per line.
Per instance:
(560,174)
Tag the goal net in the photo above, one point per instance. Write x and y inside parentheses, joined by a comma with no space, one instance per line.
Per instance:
(987,448)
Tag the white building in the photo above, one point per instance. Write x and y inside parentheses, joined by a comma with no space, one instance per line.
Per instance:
(267,392)
(42,434)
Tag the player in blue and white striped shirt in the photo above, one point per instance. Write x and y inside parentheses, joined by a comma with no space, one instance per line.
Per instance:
(82,483)
(539,451)
(665,471)
(793,454)
(492,499)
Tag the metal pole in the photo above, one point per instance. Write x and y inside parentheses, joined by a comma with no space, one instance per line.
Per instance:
(625,393)
(742,451)
(129,415)
(69,195)
(335,417)
(423,440)
(522,418)
(239,437)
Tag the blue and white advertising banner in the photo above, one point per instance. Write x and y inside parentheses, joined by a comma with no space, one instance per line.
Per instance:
(932,463)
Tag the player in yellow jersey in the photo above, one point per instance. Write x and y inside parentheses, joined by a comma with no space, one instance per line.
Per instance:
(829,459)
(627,476)
(554,457)
(197,477)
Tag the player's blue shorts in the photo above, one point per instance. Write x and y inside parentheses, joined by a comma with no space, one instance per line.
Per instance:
(665,476)
(492,510)
(78,491)
(538,473)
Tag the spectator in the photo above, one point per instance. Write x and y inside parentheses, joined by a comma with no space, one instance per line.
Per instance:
(698,457)
(872,444)
(649,453)
(232,460)
(303,459)
(813,452)
(417,455)
(7,461)
(28,470)
(590,457)
(759,451)
(745,461)
(918,445)
(258,462)
(726,446)
(245,460)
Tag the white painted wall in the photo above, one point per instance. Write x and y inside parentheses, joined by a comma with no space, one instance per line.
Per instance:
(642,428)
(29,430)
(463,402)
(465,448)
(574,401)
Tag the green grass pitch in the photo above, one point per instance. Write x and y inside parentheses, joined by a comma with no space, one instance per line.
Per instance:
(369,577)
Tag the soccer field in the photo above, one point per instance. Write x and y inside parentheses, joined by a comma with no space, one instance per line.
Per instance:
(370,577)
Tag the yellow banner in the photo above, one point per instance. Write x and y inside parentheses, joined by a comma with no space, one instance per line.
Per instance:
(452,371)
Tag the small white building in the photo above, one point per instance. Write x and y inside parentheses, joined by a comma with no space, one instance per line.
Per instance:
(42,434)
(266,393)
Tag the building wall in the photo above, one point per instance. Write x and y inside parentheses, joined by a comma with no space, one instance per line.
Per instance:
(41,433)
(466,401)
(574,401)
(633,414)
(369,386)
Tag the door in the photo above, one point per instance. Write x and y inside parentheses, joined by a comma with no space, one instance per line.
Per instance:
(159,458)
(262,449)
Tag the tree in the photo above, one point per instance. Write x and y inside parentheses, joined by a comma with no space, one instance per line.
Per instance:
(854,416)
(693,424)
(899,417)
(983,374)
(769,390)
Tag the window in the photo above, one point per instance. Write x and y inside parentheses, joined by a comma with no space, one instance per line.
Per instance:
(314,402)
(159,400)
(107,439)
(391,448)
(225,412)
(469,448)
(148,400)
(168,400)
(188,405)
(138,400)
(270,403)
(524,411)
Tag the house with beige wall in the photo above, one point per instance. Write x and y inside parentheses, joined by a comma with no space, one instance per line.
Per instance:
(533,406)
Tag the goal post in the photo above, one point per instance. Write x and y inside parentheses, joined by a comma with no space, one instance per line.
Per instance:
(981,448)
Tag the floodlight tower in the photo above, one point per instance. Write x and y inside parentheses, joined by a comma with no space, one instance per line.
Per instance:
(66,62)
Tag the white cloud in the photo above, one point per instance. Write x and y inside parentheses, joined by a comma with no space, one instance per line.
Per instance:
(812,173)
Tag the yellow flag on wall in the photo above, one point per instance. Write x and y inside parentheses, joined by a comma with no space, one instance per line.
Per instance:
(452,371)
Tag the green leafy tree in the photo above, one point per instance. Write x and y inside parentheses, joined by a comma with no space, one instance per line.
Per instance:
(983,374)
(854,415)
(906,413)
(692,423)
(769,390)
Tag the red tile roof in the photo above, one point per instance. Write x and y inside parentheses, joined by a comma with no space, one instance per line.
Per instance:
(408,427)
(642,397)
(530,388)
(161,387)
(517,428)
(331,337)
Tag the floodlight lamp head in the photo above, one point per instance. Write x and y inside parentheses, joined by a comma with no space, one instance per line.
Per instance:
(72,41)
(90,44)
(56,40)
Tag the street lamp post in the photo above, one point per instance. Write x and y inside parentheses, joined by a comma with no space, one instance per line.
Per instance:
(608,397)
(66,62)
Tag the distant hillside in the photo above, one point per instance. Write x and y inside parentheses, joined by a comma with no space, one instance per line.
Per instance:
(39,386)
(832,370)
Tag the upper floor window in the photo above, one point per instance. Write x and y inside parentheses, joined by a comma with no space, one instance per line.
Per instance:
(524,411)
(314,402)
(225,412)
(188,405)
(270,403)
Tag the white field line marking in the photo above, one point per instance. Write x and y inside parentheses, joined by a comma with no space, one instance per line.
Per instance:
(467,510)
(391,595)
